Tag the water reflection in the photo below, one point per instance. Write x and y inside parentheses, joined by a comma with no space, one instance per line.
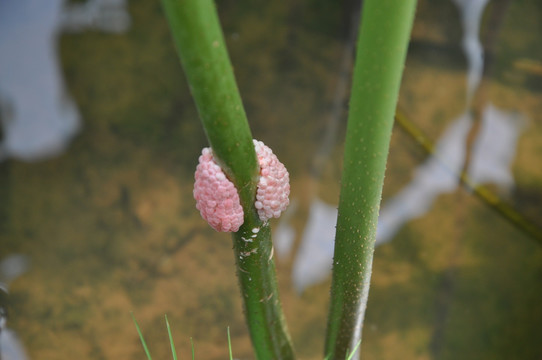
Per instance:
(431,179)
(490,162)
(11,268)
(39,118)
(492,157)
(313,260)
(495,148)
(471,17)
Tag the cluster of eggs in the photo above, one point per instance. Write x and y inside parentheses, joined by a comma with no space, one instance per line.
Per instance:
(217,198)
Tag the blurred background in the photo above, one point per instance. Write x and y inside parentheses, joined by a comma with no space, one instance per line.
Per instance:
(100,140)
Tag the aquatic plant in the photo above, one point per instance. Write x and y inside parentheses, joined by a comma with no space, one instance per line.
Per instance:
(381,51)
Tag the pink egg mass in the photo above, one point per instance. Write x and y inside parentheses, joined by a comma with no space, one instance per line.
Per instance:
(273,186)
(217,198)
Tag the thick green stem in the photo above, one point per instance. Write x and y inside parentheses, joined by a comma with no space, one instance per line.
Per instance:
(256,272)
(381,51)
(202,50)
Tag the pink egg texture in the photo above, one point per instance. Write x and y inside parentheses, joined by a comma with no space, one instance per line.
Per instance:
(217,198)
(273,186)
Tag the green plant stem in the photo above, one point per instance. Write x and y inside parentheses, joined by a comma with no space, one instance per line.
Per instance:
(202,50)
(256,272)
(381,51)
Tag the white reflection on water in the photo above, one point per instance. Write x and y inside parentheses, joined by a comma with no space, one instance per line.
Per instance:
(493,153)
(314,258)
(431,179)
(11,267)
(39,118)
(495,147)
(491,159)
(492,156)
(471,17)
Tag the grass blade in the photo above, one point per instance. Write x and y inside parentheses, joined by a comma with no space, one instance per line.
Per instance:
(229,343)
(193,352)
(141,337)
(353,351)
(173,352)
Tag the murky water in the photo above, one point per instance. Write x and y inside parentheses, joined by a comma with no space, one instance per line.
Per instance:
(110,226)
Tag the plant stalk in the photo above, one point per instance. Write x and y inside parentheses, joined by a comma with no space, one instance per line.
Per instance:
(201,47)
(381,52)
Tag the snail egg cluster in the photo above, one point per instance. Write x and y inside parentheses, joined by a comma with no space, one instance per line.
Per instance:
(217,198)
